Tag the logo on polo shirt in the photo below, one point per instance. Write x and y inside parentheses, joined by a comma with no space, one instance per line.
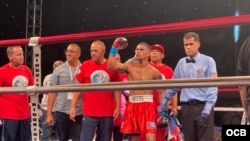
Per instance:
(99,76)
(20,81)
(200,72)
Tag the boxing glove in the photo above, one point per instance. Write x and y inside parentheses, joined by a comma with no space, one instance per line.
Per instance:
(162,119)
(119,43)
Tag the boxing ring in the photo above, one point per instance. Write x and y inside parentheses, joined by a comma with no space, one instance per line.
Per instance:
(37,42)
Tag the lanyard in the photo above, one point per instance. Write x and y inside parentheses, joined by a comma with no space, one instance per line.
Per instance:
(72,77)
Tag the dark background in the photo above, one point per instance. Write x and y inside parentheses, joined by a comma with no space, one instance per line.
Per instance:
(77,16)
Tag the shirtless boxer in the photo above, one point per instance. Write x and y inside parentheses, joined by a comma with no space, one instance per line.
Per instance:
(140,110)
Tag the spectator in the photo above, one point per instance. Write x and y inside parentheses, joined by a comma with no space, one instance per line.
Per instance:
(46,129)
(243,69)
(98,106)
(14,109)
(65,75)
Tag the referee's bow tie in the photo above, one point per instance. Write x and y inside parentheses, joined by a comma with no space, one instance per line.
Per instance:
(190,60)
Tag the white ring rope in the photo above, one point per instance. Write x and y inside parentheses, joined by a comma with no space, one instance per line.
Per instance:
(132,85)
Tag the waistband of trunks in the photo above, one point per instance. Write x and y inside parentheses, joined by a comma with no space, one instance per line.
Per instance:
(140,98)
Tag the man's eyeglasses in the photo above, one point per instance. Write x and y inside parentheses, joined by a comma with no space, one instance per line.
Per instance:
(70,51)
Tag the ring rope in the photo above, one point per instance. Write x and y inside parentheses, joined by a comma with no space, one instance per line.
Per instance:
(136,31)
(189,80)
(150,84)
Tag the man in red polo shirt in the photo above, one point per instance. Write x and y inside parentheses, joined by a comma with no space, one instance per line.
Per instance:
(98,106)
(14,109)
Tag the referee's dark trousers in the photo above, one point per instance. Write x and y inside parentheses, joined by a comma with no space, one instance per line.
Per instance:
(194,128)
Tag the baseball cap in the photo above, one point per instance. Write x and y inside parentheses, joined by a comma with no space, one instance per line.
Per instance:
(158,47)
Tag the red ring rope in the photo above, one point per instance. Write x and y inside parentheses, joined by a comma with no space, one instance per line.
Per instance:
(228,90)
(135,31)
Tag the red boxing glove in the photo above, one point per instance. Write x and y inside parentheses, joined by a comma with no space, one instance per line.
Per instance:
(120,43)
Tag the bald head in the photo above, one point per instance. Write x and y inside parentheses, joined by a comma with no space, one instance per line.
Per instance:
(15,55)
(98,44)
(10,50)
(97,51)
(57,63)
